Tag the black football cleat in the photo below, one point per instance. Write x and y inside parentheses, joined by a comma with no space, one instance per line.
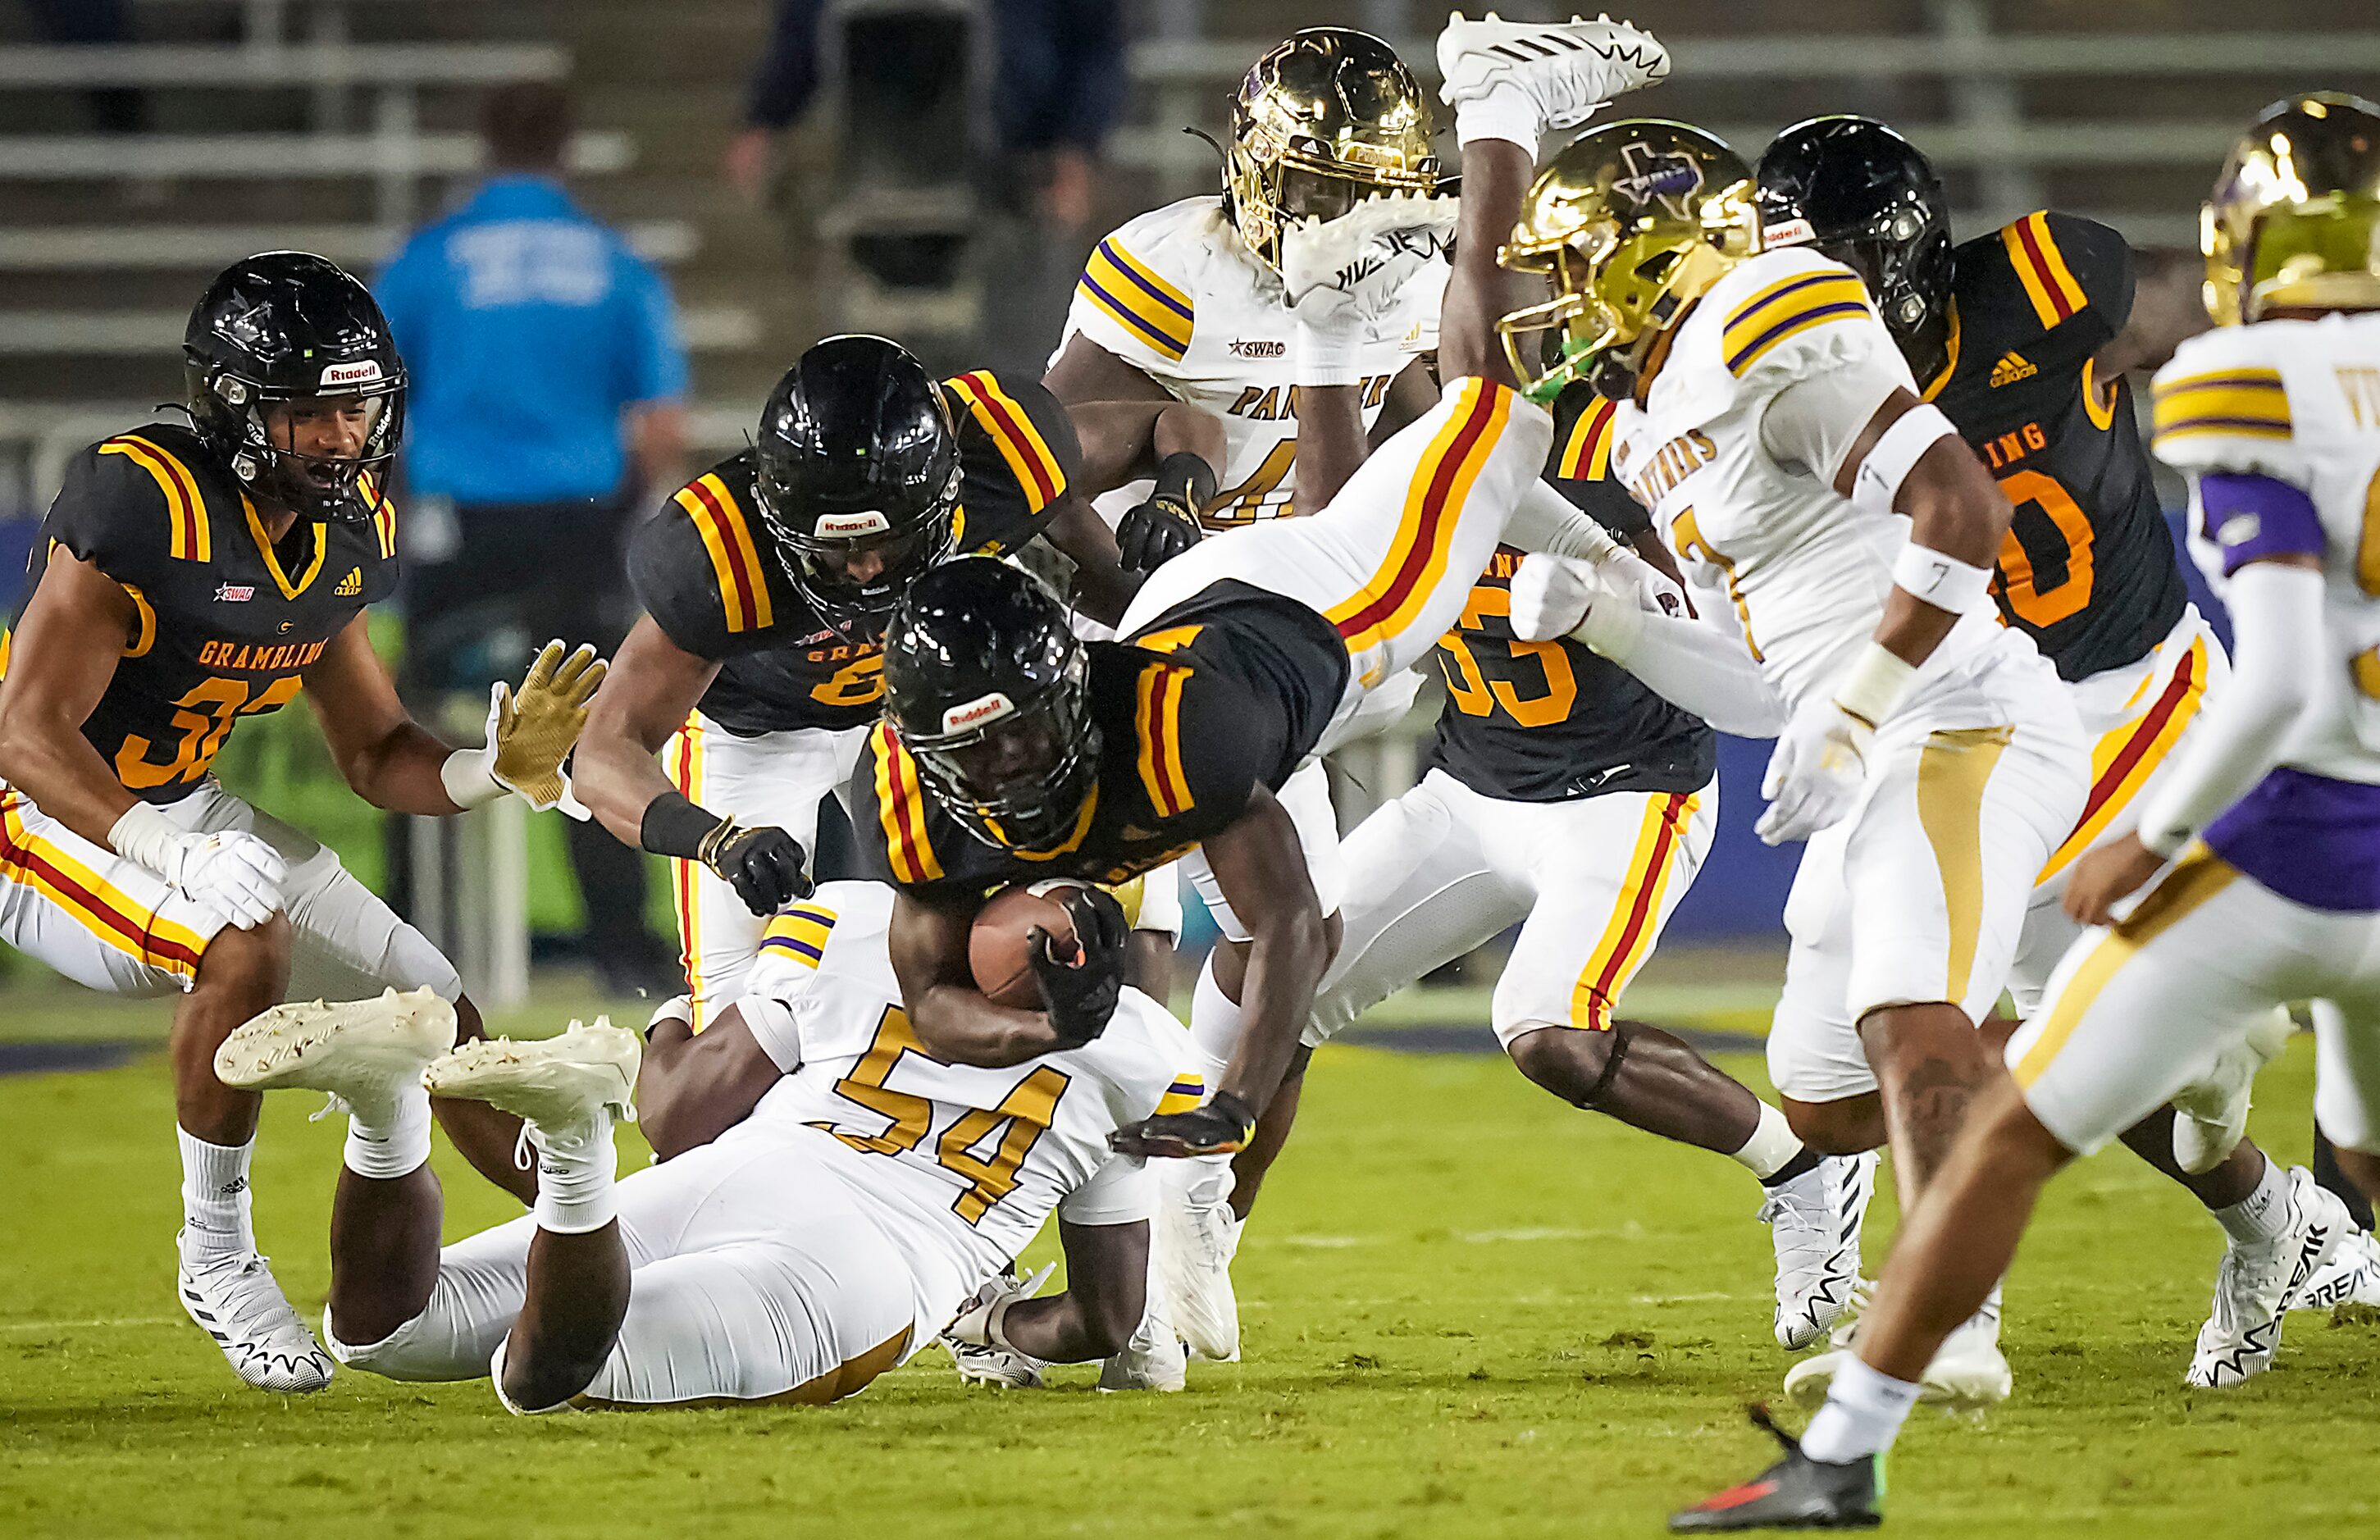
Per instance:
(1796,1493)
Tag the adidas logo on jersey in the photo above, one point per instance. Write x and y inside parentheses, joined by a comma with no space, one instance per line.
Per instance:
(351,585)
(2011,368)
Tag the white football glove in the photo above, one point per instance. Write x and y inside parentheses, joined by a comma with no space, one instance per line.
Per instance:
(1815,773)
(979,1324)
(1601,603)
(234,874)
(1565,68)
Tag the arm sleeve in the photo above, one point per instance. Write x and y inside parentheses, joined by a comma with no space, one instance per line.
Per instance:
(2276,632)
(656,352)
(1704,666)
(1120,1192)
(1580,465)
(1813,423)
(1219,737)
(1132,304)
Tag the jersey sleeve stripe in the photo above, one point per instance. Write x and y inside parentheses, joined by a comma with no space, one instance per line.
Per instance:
(743,588)
(1143,280)
(901,811)
(2042,269)
(2248,403)
(384,514)
(1786,324)
(1586,454)
(1627,938)
(800,934)
(1756,314)
(1141,302)
(187,534)
(1012,431)
(1188,1093)
(1159,721)
(1442,478)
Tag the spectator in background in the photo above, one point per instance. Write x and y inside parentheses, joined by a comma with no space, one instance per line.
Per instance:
(113,109)
(548,383)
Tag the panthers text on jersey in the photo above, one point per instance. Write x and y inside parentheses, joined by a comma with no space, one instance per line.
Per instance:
(957,1164)
(1226,692)
(1176,294)
(2298,401)
(1548,722)
(704,568)
(2088,569)
(229,620)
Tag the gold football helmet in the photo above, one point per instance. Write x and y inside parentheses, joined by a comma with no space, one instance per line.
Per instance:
(1629,224)
(1325,119)
(2295,217)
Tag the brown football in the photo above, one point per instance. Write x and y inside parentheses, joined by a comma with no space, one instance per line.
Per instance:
(998,950)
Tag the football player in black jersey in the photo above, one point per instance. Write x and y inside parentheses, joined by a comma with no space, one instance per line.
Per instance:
(766,582)
(2024,339)
(189,575)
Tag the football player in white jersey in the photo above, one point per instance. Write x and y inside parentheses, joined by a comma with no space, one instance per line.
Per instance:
(830,1196)
(2260,852)
(1841,537)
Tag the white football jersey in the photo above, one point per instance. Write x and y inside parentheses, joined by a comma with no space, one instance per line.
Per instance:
(1805,570)
(1176,294)
(2298,401)
(961,1165)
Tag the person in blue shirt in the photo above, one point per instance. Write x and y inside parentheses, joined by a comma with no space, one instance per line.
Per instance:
(548,397)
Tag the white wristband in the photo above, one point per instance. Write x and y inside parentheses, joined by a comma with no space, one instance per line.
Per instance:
(1876,686)
(1505,112)
(1887,464)
(470,782)
(1945,582)
(142,835)
(1329,358)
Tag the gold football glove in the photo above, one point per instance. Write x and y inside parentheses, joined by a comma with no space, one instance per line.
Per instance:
(529,734)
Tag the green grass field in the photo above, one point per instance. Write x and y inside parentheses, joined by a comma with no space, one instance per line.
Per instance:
(1470,1311)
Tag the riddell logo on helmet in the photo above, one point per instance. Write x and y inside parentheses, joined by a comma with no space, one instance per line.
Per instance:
(844,527)
(1786,232)
(977,713)
(367,372)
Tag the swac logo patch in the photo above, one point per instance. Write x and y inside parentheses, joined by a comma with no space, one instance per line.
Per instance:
(1243,347)
(2011,368)
(235,593)
(351,585)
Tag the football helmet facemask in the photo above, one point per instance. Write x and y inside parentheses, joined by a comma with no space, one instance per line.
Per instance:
(2294,220)
(1856,190)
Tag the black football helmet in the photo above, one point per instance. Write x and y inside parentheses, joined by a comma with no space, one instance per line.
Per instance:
(1865,196)
(287,326)
(858,478)
(987,684)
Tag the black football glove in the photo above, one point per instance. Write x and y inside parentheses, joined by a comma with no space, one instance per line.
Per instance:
(1079,990)
(1154,532)
(1222,1125)
(764,866)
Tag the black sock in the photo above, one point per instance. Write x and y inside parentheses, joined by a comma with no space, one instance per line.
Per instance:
(2326,1173)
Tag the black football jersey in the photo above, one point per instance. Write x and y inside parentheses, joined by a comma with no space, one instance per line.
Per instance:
(705,569)
(227,621)
(1225,691)
(1551,721)
(2088,569)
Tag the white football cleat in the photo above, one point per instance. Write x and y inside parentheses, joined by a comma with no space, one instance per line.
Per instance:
(1566,68)
(1347,272)
(1968,1372)
(1198,1237)
(2352,1277)
(239,1303)
(974,1339)
(2214,1110)
(2257,1284)
(560,1085)
(363,1053)
(1154,1359)
(1815,1221)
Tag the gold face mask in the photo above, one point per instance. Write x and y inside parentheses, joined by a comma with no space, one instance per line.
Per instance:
(1324,120)
(1628,225)
(2294,220)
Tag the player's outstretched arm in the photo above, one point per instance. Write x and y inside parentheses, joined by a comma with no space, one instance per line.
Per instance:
(60,659)
(1107,1292)
(695,1086)
(951,1016)
(653,684)
(1479,292)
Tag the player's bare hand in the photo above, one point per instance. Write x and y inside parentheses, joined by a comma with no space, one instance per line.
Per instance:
(1223,1125)
(1153,533)
(1082,980)
(1815,773)
(764,865)
(2105,877)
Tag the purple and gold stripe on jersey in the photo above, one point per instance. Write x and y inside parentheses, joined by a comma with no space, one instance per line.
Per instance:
(735,560)
(1138,299)
(2042,269)
(901,809)
(1159,723)
(1012,432)
(1784,311)
(187,537)
(800,933)
(2232,403)
(1188,1093)
(1586,454)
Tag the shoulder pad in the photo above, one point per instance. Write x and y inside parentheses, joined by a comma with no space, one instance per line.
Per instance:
(1581,437)
(1141,283)
(383,515)
(188,534)
(2220,403)
(1779,296)
(715,505)
(2066,265)
(1027,427)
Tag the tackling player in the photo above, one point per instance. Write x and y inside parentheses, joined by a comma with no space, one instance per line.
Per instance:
(2023,338)
(188,576)
(766,582)
(830,1197)
(2263,838)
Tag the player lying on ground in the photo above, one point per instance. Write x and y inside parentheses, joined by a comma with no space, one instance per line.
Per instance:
(831,1195)
(2024,339)
(188,576)
(2264,844)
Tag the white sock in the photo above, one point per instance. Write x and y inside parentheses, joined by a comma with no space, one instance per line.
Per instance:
(214,1199)
(2262,1214)
(386,1144)
(1773,1143)
(1214,1018)
(574,1178)
(1506,112)
(1863,1414)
